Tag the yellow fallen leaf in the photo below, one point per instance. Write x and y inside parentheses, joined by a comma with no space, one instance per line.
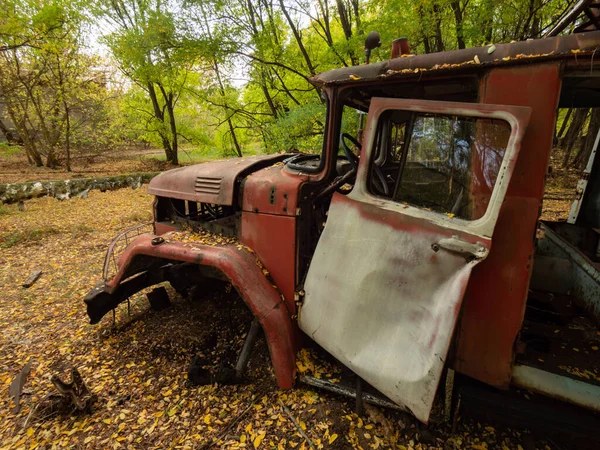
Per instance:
(207,419)
(354,77)
(332,438)
(30,432)
(258,440)
(106,421)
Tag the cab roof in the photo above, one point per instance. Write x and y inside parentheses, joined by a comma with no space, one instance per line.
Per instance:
(470,59)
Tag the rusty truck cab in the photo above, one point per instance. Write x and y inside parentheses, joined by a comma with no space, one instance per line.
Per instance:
(405,249)
(495,333)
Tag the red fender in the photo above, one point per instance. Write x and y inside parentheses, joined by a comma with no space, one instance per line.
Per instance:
(240,267)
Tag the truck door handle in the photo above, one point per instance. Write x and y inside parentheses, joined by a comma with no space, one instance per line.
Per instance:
(457,245)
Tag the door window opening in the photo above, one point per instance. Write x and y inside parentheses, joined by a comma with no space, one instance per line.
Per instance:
(444,163)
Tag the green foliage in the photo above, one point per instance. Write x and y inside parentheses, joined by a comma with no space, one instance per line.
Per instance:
(300,129)
(183,59)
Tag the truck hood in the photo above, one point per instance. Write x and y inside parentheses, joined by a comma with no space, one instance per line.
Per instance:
(212,182)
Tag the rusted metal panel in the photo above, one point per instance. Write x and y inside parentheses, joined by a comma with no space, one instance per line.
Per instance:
(585,275)
(495,300)
(471,59)
(385,285)
(163,227)
(273,239)
(272,191)
(239,265)
(212,182)
(383,302)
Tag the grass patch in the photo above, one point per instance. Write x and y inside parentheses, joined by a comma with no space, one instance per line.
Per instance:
(30,236)
(196,155)
(9,150)
(5,211)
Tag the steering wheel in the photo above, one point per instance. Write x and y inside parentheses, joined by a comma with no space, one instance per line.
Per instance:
(348,151)
(354,161)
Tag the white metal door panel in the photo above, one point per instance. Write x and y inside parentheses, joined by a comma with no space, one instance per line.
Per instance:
(362,305)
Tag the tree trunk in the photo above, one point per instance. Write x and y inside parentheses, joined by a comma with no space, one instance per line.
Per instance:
(236,144)
(68,138)
(8,135)
(573,133)
(587,146)
(344,19)
(439,41)
(298,38)
(458,19)
(173,157)
(33,155)
(159,114)
(488,23)
(426,43)
(563,127)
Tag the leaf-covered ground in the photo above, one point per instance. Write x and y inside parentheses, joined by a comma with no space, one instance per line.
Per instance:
(138,368)
(14,167)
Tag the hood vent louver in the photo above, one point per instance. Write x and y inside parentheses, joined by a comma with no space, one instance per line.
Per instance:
(208,185)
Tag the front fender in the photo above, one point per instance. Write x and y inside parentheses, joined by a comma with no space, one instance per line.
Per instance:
(240,267)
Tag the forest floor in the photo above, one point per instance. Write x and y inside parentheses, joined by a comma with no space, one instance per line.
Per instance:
(137,368)
(14,167)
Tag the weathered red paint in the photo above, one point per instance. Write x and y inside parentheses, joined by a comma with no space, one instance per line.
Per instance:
(272,191)
(163,227)
(273,239)
(495,300)
(190,183)
(254,288)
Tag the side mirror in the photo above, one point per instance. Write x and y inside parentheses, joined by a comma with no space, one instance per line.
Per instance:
(373,41)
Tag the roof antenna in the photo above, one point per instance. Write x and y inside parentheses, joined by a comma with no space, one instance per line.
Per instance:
(373,41)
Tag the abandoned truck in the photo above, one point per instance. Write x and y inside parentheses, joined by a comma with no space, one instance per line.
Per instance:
(411,249)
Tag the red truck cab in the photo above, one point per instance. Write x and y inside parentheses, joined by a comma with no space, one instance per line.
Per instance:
(411,252)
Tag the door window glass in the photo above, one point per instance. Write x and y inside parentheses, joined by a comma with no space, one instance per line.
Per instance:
(447,164)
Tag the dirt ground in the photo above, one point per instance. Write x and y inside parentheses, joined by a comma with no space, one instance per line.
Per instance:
(137,369)
(15,169)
